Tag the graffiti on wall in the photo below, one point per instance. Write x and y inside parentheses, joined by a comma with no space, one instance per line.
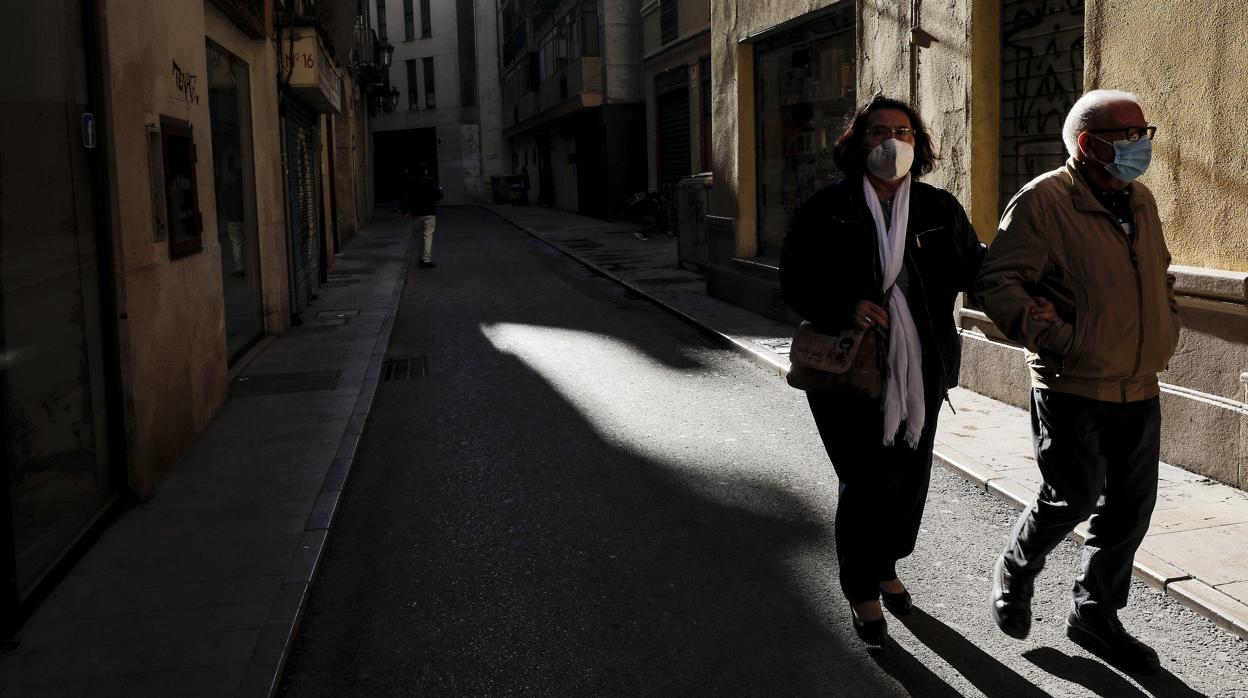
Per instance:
(185,82)
(1041,77)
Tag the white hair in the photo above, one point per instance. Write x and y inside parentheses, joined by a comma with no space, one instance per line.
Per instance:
(1087,111)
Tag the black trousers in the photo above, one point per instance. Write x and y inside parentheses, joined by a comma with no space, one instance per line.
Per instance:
(1097,458)
(882,492)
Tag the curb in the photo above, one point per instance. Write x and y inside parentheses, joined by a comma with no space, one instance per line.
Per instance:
(263,675)
(1196,595)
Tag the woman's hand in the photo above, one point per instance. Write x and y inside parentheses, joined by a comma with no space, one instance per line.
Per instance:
(868,315)
(1043,310)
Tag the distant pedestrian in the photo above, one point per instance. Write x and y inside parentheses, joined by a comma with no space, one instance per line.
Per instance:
(1089,237)
(878,248)
(420,194)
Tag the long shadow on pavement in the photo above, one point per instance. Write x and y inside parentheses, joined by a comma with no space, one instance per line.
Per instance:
(983,670)
(1103,681)
(500,537)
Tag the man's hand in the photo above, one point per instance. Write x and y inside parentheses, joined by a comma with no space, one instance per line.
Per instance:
(1043,310)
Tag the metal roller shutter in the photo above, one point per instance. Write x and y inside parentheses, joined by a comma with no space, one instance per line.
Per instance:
(1041,77)
(672,125)
(302,174)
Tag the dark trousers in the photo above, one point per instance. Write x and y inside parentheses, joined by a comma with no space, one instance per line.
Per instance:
(1097,458)
(882,491)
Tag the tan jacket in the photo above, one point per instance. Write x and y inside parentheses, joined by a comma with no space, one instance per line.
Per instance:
(1119,323)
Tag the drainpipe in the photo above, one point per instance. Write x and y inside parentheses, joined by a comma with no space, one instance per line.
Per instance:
(919,39)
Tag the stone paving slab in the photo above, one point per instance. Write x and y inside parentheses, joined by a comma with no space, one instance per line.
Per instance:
(199,590)
(1197,547)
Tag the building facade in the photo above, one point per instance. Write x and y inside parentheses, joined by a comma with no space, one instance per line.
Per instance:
(573,101)
(994,81)
(448,114)
(170,175)
(676,64)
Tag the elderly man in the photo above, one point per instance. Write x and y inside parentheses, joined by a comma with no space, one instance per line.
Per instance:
(1087,238)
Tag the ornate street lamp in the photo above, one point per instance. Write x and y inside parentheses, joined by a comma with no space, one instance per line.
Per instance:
(392,99)
(385,52)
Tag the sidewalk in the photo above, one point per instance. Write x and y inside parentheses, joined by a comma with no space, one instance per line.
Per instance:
(1197,546)
(198,591)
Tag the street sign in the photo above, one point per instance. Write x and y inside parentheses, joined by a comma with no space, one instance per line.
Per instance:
(88,130)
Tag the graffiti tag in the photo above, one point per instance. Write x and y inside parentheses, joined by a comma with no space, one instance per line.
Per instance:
(185,82)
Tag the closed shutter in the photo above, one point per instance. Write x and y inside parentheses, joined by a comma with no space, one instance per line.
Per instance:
(672,124)
(302,174)
(1041,77)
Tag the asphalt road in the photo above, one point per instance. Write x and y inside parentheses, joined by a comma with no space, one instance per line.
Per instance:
(575,494)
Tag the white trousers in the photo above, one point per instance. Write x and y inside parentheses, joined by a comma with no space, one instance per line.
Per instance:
(425,225)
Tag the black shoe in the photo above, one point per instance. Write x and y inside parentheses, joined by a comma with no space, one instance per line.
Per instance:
(899,604)
(872,632)
(427,265)
(1011,601)
(1104,636)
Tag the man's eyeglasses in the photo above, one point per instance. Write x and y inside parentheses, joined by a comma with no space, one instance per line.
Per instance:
(879,133)
(1133,133)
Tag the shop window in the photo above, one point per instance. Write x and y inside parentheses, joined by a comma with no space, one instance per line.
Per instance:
(185,224)
(804,92)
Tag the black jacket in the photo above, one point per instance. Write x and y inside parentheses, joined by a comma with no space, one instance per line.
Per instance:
(830,261)
(419,195)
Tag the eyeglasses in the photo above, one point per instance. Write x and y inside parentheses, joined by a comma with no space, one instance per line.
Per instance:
(879,133)
(1133,133)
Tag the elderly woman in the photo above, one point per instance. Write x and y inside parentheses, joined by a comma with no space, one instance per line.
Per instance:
(880,249)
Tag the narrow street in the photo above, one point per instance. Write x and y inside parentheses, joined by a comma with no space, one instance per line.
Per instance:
(565,491)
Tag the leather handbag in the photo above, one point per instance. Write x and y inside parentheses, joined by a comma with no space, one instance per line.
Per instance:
(852,361)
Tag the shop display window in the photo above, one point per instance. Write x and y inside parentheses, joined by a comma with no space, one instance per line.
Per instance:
(804,92)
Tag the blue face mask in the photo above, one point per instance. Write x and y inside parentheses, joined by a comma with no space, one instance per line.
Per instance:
(1131,158)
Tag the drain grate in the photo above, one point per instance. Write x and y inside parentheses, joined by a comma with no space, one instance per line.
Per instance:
(336,283)
(402,369)
(668,280)
(277,383)
(582,244)
(352,270)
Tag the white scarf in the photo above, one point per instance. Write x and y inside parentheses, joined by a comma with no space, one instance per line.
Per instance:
(903,391)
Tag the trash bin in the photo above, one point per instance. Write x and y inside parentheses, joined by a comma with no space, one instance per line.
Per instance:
(692,205)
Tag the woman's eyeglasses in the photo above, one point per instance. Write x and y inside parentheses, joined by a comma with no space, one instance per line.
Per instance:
(879,133)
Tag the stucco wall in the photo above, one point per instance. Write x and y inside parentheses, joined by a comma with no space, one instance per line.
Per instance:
(1190,70)
(173,313)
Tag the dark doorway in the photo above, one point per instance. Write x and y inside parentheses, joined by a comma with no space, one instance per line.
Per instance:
(395,150)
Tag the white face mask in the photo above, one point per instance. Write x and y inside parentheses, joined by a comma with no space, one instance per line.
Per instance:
(890,160)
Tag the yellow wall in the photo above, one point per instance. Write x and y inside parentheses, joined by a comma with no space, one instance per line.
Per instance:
(1189,68)
(173,347)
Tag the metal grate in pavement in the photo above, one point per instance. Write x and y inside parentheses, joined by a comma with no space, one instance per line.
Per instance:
(668,280)
(582,244)
(402,369)
(336,283)
(277,383)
